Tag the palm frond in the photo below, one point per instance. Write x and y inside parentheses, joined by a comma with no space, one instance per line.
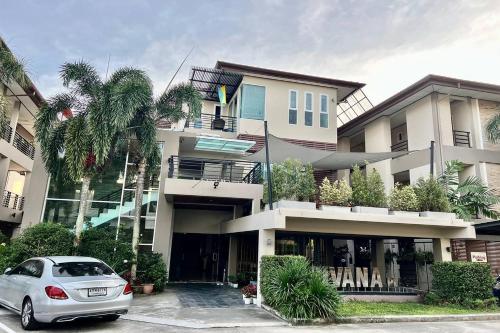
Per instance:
(47,115)
(11,68)
(169,105)
(3,112)
(76,147)
(493,128)
(81,78)
(53,150)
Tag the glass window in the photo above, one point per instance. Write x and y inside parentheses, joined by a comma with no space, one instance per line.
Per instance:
(292,108)
(323,115)
(75,269)
(61,211)
(252,102)
(33,268)
(147,230)
(308,108)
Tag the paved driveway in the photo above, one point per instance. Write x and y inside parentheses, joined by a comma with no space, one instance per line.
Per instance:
(199,305)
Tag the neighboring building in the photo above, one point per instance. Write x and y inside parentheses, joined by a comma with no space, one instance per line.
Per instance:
(453,113)
(17,151)
(203,204)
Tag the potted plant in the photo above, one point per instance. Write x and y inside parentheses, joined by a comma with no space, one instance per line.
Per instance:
(335,196)
(232,281)
(368,193)
(152,272)
(403,201)
(432,199)
(293,185)
(249,292)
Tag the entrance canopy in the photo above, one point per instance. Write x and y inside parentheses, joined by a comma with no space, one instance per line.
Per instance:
(280,150)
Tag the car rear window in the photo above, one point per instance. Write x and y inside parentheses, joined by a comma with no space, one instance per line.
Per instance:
(74,269)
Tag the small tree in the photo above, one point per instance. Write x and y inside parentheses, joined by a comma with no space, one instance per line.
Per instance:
(431,195)
(376,190)
(403,198)
(292,180)
(359,187)
(337,193)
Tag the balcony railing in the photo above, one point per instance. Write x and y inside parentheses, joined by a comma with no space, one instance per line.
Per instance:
(24,146)
(213,122)
(400,146)
(461,138)
(216,170)
(12,200)
(6,133)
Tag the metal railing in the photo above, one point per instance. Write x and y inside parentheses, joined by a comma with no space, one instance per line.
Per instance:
(213,122)
(400,146)
(461,138)
(12,200)
(6,133)
(24,146)
(213,169)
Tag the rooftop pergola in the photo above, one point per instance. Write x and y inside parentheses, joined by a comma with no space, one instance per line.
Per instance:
(208,80)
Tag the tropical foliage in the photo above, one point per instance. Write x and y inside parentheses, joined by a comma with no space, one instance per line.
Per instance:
(77,129)
(367,190)
(292,180)
(403,198)
(469,198)
(493,128)
(431,195)
(152,269)
(338,193)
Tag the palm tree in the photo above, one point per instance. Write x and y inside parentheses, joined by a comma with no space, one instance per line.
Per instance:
(493,128)
(469,198)
(77,129)
(142,129)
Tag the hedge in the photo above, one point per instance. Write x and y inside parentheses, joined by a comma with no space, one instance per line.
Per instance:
(462,283)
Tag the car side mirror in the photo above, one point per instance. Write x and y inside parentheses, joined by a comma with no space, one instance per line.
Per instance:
(7,270)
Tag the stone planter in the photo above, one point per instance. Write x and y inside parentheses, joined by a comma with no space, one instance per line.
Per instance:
(370,210)
(254,300)
(335,209)
(404,213)
(293,204)
(148,288)
(247,300)
(439,215)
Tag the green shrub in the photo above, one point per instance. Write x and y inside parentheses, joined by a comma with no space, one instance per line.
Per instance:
(101,243)
(359,187)
(431,195)
(337,193)
(367,190)
(292,180)
(462,283)
(152,269)
(297,290)
(403,198)
(3,238)
(431,298)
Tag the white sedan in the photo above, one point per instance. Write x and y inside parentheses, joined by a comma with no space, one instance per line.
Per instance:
(59,289)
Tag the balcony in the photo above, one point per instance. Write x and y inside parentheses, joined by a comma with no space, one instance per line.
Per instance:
(213,122)
(400,146)
(24,146)
(214,170)
(12,200)
(461,138)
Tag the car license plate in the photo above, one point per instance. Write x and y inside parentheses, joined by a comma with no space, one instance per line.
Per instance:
(97,292)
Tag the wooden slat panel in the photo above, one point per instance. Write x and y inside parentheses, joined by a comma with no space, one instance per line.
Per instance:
(459,250)
(493,252)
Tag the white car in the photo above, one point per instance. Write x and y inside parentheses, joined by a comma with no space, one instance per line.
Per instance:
(60,289)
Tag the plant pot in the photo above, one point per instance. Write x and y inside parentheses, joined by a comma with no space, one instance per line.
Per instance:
(254,300)
(404,213)
(247,300)
(293,204)
(232,285)
(335,209)
(148,288)
(370,210)
(439,215)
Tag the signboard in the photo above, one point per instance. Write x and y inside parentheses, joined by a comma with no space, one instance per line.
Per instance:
(478,257)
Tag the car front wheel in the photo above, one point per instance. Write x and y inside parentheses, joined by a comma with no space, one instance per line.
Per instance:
(28,321)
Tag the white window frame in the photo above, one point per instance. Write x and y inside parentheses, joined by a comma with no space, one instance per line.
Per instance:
(327,112)
(296,106)
(312,108)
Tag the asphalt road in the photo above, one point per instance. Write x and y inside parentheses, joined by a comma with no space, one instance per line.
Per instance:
(9,323)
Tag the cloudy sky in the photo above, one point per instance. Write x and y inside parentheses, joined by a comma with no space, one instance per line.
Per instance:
(386,44)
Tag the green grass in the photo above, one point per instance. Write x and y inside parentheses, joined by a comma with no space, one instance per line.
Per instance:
(358,308)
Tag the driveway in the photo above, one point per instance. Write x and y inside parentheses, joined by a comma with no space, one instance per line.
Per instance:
(199,305)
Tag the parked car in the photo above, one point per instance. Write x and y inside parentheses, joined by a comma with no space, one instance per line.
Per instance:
(61,289)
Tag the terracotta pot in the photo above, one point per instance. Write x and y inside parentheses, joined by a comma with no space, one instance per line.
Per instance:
(148,288)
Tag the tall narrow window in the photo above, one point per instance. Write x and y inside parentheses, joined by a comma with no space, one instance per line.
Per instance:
(308,109)
(252,102)
(292,107)
(323,111)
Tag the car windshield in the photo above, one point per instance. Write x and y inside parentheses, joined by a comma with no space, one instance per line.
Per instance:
(74,269)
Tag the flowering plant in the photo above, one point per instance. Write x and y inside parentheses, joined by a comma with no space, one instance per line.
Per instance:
(249,290)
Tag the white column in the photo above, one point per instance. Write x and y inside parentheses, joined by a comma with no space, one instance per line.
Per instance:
(377,140)
(265,248)
(343,145)
(442,249)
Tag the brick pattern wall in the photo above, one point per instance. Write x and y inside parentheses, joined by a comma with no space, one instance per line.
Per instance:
(461,250)
(487,110)
(493,176)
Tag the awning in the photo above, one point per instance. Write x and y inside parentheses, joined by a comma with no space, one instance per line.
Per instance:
(488,228)
(280,150)
(222,145)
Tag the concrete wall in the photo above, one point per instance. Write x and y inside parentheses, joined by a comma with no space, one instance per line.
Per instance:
(419,124)
(378,139)
(200,221)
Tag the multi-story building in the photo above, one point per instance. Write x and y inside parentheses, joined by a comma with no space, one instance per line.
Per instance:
(203,207)
(17,150)
(451,113)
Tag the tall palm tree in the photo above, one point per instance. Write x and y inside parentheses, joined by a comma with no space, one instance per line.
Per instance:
(469,198)
(77,129)
(141,134)
(493,128)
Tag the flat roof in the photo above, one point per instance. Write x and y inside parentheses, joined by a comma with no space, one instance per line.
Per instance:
(348,86)
(430,80)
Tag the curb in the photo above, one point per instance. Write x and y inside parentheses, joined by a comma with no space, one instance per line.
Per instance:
(418,318)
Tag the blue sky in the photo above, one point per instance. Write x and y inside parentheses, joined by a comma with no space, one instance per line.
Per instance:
(386,44)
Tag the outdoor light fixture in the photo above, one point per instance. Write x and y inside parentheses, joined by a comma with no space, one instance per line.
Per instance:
(216,184)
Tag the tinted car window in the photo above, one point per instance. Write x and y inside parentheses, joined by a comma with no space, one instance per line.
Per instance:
(33,268)
(73,269)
